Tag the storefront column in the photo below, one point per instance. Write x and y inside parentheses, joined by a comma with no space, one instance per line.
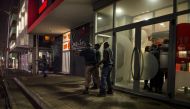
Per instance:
(37,53)
(35,56)
(19,60)
(172,54)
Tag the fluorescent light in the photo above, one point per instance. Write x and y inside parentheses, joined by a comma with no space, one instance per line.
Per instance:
(153,1)
(146,18)
(145,12)
(103,35)
(99,18)
(119,11)
(162,24)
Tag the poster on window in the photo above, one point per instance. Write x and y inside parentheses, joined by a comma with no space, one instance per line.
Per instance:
(80,36)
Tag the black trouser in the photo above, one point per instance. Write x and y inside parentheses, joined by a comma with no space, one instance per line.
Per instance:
(44,72)
(157,81)
(145,83)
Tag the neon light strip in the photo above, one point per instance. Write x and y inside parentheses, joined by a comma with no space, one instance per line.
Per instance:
(43,6)
(44,15)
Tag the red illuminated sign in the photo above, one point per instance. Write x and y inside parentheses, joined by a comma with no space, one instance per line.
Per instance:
(43,6)
(66,41)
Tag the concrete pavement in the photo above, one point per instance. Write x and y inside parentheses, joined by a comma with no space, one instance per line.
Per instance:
(65,92)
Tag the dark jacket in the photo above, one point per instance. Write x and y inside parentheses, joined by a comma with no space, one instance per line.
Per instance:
(98,56)
(43,64)
(89,55)
(107,57)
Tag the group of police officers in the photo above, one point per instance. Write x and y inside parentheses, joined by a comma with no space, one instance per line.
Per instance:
(93,60)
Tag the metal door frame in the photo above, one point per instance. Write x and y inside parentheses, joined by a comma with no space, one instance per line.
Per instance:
(172,18)
(137,27)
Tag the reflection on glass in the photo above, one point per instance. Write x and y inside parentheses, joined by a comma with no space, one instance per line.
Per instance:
(130,11)
(124,49)
(182,84)
(183,5)
(104,19)
(154,62)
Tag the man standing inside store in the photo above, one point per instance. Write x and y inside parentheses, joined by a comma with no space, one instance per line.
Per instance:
(156,80)
(106,71)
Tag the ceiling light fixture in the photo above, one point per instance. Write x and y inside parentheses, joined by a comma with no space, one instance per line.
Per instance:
(162,24)
(99,18)
(146,18)
(119,11)
(153,1)
(103,35)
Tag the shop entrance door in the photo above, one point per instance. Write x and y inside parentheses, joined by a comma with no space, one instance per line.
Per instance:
(154,51)
(142,56)
(126,62)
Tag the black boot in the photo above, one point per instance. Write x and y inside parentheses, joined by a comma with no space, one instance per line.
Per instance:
(146,87)
(45,75)
(110,92)
(94,87)
(86,91)
(102,94)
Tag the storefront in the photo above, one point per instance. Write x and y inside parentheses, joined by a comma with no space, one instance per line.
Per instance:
(49,46)
(80,37)
(60,50)
(13,60)
(136,28)
(22,44)
(51,17)
(24,62)
(66,53)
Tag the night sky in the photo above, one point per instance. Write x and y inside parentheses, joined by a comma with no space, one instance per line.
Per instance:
(5,5)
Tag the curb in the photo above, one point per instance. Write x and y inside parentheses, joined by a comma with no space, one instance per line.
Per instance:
(35,101)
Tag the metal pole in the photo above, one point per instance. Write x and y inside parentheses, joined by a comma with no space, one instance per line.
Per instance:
(7,51)
(37,54)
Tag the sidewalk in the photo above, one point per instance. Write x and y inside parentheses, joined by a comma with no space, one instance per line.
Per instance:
(65,92)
